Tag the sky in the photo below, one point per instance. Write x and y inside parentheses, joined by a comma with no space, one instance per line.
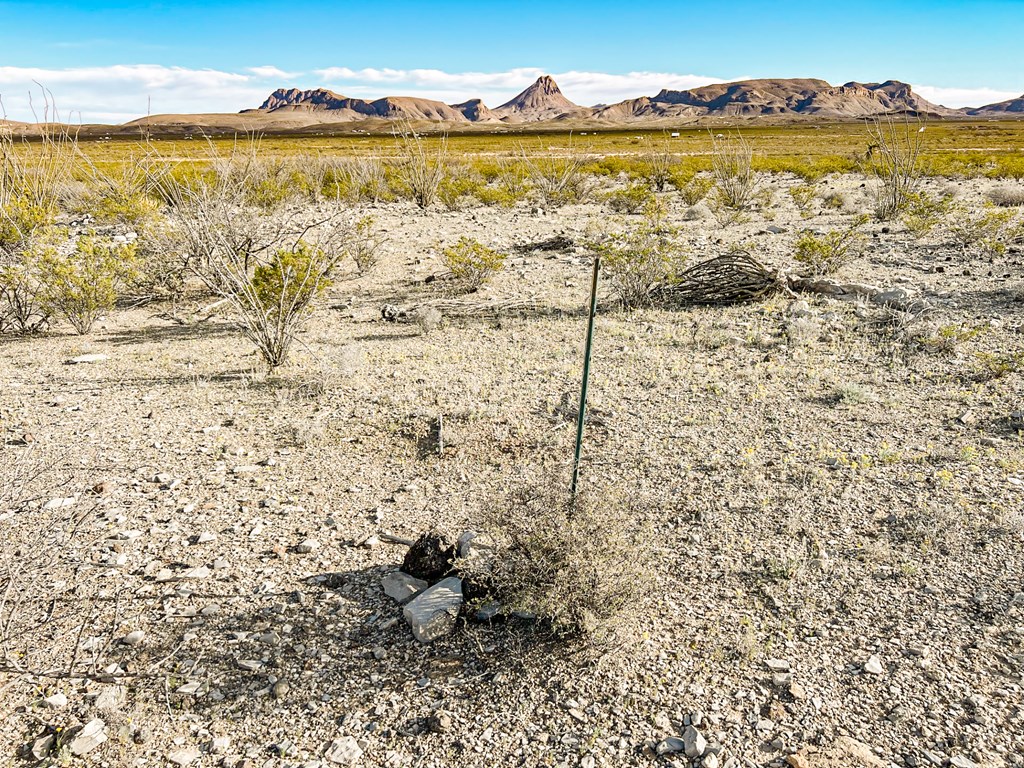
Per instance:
(115,61)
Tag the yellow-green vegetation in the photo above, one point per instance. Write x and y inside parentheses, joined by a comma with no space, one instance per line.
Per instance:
(471,262)
(946,339)
(632,199)
(290,280)
(640,259)
(364,244)
(81,284)
(826,253)
(987,230)
(803,197)
(695,189)
(923,212)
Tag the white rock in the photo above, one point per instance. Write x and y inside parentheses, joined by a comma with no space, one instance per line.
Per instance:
(433,612)
(220,745)
(52,504)
(90,737)
(401,587)
(189,689)
(206,537)
(710,761)
(184,757)
(57,701)
(245,469)
(307,546)
(873,666)
(202,572)
(344,751)
(777,665)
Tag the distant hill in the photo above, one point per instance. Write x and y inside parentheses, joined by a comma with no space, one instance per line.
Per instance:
(545,101)
(1010,107)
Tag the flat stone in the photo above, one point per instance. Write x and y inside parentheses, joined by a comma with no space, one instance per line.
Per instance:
(307,546)
(959,761)
(219,745)
(43,746)
(401,587)
(60,503)
(202,572)
(91,736)
(777,665)
(343,751)
(184,757)
(669,745)
(433,612)
(91,358)
(245,469)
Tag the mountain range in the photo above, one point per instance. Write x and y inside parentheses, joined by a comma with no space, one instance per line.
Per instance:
(543,101)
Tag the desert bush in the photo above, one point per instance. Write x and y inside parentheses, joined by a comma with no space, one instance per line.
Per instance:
(558,180)
(923,212)
(364,245)
(35,178)
(121,194)
(420,170)
(21,293)
(1006,197)
(584,566)
(826,253)
(82,284)
(895,152)
(471,262)
(459,188)
(834,201)
(632,199)
(803,197)
(355,180)
(640,259)
(732,169)
(696,189)
(987,230)
(659,163)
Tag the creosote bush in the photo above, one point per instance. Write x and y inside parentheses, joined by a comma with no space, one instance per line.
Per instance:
(803,196)
(632,199)
(695,189)
(640,259)
(558,181)
(923,212)
(987,230)
(826,253)
(83,284)
(471,262)
(583,565)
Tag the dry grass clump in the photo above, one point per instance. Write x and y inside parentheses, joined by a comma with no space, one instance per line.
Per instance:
(558,181)
(583,565)
(1007,197)
(421,172)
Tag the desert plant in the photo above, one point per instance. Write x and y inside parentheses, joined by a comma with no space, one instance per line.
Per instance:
(696,189)
(1006,197)
(640,259)
(558,180)
(895,159)
(803,196)
(364,245)
(732,169)
(834,201)
(632,199)
(825,253)
(421,171)
(459,187)
(583,566)
(658,165)
(83,284)
(21,293)
(923,212)
(471,262)
(987,230)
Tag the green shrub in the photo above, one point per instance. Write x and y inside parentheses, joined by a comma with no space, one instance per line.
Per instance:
(472,262)
(987,230)
(834,201)
(923,212)
(803,196)
(640,259)
(826,253)
(364,244)
(20,217)
(633,199)
(21,293)
(696,189)
(83,284)
(290,281)
(458,189)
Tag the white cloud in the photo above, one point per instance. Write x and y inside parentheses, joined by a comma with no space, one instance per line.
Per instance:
(495,88)
(124,92)
(963,97)
(269,72)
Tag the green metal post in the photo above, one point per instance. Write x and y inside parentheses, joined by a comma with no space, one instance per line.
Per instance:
(581,416)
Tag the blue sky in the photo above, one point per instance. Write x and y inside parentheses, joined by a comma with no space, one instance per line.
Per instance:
(107,60)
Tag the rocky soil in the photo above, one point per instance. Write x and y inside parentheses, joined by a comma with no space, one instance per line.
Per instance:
(193,561)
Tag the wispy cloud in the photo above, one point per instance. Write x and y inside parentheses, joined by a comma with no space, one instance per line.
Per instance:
(268,71)
(963,97)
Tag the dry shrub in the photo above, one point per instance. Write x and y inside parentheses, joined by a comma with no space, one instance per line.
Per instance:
(987,230)
(584,566)
(1007,197)
(422,171)
(696,189)
(923,212)
(558,180)
(895,152)
(825,253)
(735,180)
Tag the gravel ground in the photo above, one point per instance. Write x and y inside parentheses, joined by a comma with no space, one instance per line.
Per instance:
(837,509)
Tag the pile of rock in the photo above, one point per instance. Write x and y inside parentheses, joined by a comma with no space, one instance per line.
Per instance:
(432,586)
